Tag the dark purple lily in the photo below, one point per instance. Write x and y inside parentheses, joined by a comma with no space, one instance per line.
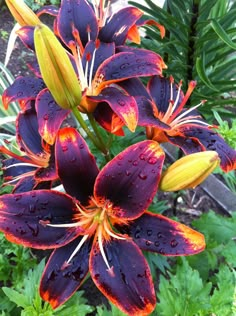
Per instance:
(102,218)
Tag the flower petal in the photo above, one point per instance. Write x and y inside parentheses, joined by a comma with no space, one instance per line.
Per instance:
(129,63)
(160,91)
(102,51)
(146,112)
(12,168)
(22,89)
(125,179)
(26,34)
(61,279)
(157,233)
(123,105)
(29,183)
(105,116)
(134,87)
(24,218)
(78,15)
(27,134)
(117,28)
(77,168)
(210,140)
(127,283)
(50,116)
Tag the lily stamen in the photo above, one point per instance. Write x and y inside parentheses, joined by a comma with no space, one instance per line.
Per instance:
(77,249)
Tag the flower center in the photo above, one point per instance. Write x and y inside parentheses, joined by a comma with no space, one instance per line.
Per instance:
(97,220)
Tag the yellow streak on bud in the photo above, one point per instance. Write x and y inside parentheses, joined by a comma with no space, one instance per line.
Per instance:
(189,171)
(22,13)
(56,68)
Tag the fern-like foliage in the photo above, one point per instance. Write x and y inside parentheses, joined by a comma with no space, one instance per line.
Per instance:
(200,44)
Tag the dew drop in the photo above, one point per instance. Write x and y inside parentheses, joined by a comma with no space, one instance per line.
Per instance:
(127,172)
(81,146)
(142,157)
(159,235)
(46,117)
(121,102)
(149,232)
(148,243)
(135,163)
(19,94)
(125,65)
(34,229)
(157,244)
(18,197)
(64,148)
(174,243)
(152,160)
(142,176)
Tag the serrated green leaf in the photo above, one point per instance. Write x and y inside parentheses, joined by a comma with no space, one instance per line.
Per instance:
(222,34)
(216,227)
(183,294)
(223,295)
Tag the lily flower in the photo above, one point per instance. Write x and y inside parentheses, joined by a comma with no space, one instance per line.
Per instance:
(102,218)
(166,120)
(94,47)
(34,166)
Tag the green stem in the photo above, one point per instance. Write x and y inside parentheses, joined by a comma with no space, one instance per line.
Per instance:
(84,126)
(97,133)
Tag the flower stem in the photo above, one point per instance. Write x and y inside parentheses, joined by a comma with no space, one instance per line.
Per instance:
(97,141)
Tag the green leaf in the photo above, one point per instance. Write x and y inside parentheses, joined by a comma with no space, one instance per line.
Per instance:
(16,297)
(223,296)
(184,294)
(200,67)
(216,227)
(222,34)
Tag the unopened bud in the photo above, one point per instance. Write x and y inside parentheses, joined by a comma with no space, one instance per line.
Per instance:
(189,171)
(56,68)
(22,13)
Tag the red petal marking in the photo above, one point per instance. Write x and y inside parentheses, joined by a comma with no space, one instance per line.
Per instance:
(76,166)
(22,217)
(50,116)
(128,283)
(60,279)
(157,233)
(125,179)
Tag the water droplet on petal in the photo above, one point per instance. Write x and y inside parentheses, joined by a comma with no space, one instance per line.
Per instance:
(142,176)
(174,243)
(142,157)
(121,102)
(149,232)
(152,160)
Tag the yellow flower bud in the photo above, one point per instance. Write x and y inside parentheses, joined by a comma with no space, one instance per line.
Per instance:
(22,13)
(189,171)
(56,68)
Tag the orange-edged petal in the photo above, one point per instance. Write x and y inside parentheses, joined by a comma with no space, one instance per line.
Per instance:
(104,115)
(157,233)
(24,218)
(29,183)
(128,63)
(127,283)
(26,34)
(50,116)
(144,21)
(117,28)
(76,165)
(22,89)
(61,279)
(208,140)
(146,111)
(130,180)
(123,105)
(28,137)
